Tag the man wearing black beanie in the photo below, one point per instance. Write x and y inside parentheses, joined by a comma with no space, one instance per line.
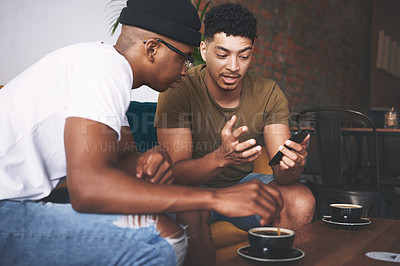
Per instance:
(71,125)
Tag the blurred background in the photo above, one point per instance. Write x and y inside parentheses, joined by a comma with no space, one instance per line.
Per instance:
(321,52)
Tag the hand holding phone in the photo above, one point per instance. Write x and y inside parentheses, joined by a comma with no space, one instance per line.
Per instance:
(297,137)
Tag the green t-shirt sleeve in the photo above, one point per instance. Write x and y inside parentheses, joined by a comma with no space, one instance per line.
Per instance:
(277,109)
(173,108)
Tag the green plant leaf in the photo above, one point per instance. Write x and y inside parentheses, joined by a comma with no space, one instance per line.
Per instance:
(203,12)
(115,7)
(115,26)
(198,60)
(198,5)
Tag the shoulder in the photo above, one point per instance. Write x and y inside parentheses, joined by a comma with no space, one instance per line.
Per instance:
(99,60)
(260,86)
(257,80)
(194,79)
(97,54)
(265,93)
(101,52)
(187,93)
(191,84)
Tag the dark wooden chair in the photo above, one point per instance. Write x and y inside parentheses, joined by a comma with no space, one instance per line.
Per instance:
(344,179)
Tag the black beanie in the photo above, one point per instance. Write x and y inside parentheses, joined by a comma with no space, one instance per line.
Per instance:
(176,19)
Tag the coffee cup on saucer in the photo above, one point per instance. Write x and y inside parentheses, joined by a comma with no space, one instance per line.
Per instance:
(345,213)
(272,240)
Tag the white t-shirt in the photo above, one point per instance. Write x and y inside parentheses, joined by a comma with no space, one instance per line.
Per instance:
(88,80)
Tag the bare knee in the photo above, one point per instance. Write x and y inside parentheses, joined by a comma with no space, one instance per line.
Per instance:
(196,218)
(168,227)
(175,235)
(299,203)
(197,222)
(302,199)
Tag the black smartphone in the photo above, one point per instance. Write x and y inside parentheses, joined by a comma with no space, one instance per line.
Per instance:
(297,137)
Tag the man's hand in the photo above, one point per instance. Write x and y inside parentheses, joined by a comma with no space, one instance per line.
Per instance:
(295,158)
(155,165)
(234,152)
(250,198)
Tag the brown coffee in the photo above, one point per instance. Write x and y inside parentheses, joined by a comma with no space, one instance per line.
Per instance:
(269,233)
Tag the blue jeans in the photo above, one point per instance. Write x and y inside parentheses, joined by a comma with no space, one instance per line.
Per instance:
(247,222)
(38,233)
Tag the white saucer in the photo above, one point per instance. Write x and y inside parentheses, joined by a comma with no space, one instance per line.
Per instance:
(362,221)
(249,253)
(384,256)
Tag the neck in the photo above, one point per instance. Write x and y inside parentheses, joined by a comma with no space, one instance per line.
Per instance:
(225,98)
(130,60)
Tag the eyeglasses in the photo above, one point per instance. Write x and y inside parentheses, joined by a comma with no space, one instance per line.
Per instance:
(189,60)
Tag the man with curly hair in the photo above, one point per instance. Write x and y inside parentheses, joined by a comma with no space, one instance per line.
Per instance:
(215,122)
(71,125)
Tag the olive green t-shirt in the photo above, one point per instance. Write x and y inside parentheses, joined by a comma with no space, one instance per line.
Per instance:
(190,105)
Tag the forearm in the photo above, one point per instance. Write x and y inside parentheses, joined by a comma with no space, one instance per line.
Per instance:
(286,177)
(196,172)
(110,190)
(113,191)
(128,162)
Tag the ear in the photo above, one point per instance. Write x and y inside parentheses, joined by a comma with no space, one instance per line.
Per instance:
(151,48)
(203,50)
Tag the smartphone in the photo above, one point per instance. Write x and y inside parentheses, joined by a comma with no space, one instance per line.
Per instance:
(297,137)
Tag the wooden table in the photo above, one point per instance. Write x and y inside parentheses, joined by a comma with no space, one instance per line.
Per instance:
(324,244)
(379,131)
(360,131)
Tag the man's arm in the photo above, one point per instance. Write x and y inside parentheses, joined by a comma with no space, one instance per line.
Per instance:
(187,171)
(292,164)
(153,165)
(195,172)
(97,185)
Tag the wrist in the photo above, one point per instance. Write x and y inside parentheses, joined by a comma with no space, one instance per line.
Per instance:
(287,177)
(211,199)
(219,157)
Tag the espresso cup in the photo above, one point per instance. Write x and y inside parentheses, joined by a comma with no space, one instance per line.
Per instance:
(346,213)
(266,239)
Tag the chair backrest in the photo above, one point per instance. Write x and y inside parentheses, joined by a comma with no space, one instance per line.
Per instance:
(141,121)
(328,123)
(328,132)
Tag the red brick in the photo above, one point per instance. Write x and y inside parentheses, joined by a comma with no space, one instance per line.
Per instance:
(268,63)
(280,39)
(267,53)
(290,60)
(292,71)
(266,73)
(265,14)
(291,45)
(290,79)
(278,75)
(275,65)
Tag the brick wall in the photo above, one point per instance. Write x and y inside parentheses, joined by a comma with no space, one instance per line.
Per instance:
(317,50)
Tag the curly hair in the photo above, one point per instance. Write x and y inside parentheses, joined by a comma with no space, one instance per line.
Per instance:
(232,19)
